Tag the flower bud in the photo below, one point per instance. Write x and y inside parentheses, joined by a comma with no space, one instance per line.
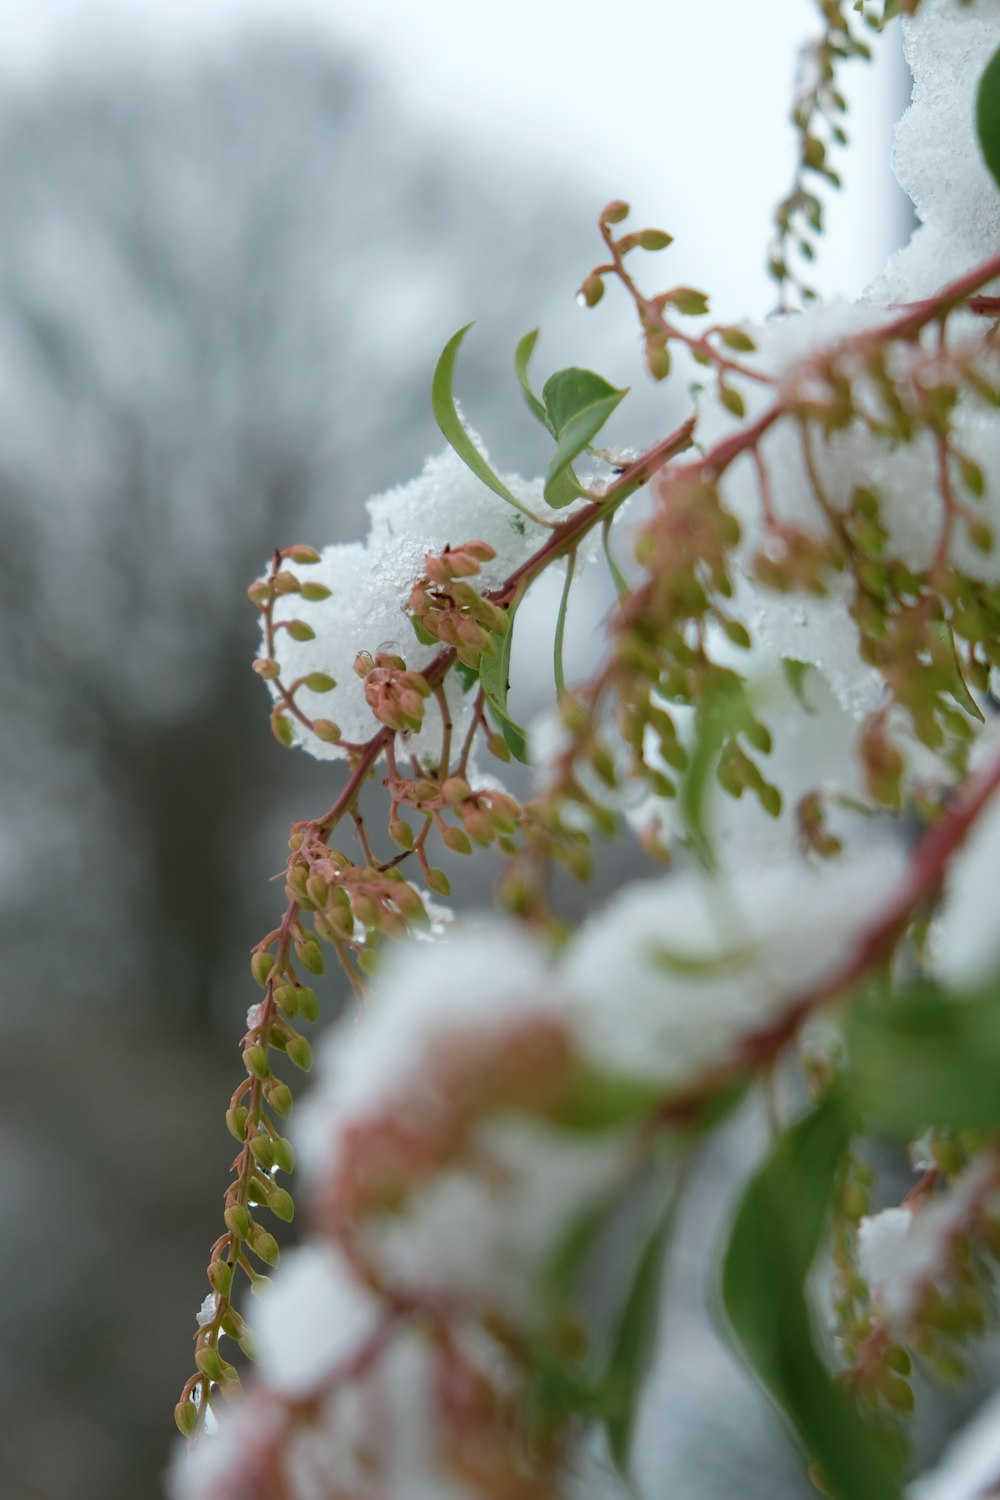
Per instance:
(220,1274)
(262,1150)
(209,1361)
(456,789)
(308,1004)
(438,882)
(186,1416)
(261,965)
(281,1204)
(284,1156)
(279,1097)
(320,682)
(267,667)
(310,953)
(401,833)
(326,730)
(301,554)
(299,1052)
(299,630)
(238,1220)
(285,583)
(236,1122)
(281,728)
(456,840)
(256,1061)
(286,997)
(264,1246)
(315,591)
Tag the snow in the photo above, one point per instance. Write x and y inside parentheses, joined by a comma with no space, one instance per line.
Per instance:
(479,976)
(970,1468)
(370,584)
(937,159)
(902,1250)
(668,978)
(965,943)
(314,1314)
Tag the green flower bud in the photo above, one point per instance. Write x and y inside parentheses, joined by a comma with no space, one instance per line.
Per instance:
(315,591)
(308,1004)
(300,1052)
(438,882)
(281,1204)
(238,1220)
(256,1061)
(278,1096)
(320,682)
(326,730)
(261,965)
(301,554)
(186,1416)
(209,1361)
(284,1156)
(456,840)
(311,954)
(299,630)
(264,1246)
(236,1122)
(286,997)
(220,1274)
(281,728)
(262,1150)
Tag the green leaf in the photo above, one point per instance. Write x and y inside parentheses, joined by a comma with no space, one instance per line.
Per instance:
(450,423)
(557,646)
(598,1101)
(522,354)
(795,674)
(617,576)
(635,1335)
(722,712)
(988,115)
(926,1058)
(772,1243)
(468,676)
(578,403)
(493,674)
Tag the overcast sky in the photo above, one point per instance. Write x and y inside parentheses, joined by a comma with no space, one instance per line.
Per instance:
(678,105)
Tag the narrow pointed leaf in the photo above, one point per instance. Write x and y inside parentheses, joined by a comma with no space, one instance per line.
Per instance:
(493,674)
(988,115)
(557,649)
(522,355)
(772,1244)
(450,423)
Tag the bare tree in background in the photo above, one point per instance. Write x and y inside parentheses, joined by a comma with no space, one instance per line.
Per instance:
(221,288)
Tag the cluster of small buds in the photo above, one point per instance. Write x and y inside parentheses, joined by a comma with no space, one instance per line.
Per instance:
(346,898)
(264,594)
(954,1215)
(484,817)
(448,609)
(394,694)
(713,346)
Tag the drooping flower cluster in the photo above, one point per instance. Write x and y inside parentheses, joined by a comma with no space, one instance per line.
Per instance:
(806,655)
